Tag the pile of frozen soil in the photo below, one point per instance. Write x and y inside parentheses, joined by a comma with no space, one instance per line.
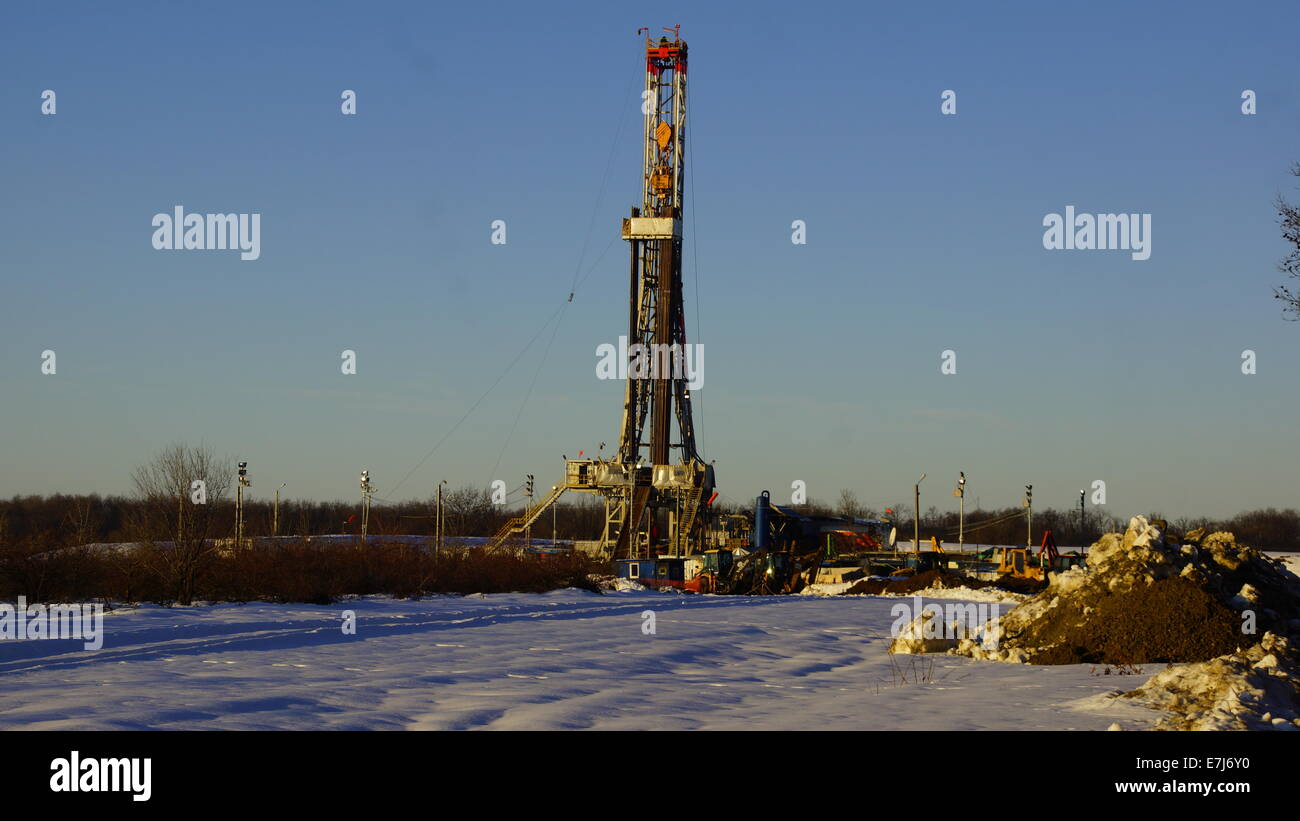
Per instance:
(1254,689)
(1146,599)
(937,579)
(910,584)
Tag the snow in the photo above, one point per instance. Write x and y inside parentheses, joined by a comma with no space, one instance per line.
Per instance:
(1256,688)
(562,660)
(1291,560)
(827,589)
(987,594)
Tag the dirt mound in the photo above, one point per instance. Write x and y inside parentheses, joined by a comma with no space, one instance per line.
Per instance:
(1012,584)
(942,579)
(1145,599)
(1170,620)
(912,584)
(870,587)
(1256,689)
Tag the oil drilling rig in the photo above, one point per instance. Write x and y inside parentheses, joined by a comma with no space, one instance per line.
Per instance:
(657,489)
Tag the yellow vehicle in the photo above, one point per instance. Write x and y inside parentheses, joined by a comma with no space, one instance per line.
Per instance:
(1017,562)
(1020,562)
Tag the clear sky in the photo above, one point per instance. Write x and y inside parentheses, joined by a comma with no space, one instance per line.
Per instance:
(924,233)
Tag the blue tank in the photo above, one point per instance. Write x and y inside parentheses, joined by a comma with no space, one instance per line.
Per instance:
(762,520)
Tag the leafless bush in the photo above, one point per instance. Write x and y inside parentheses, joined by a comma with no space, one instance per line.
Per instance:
(166,488)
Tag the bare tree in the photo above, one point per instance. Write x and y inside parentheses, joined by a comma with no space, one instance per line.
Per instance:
(179,491)
(79,520)
(466,510)
(849,506)
(1289,218)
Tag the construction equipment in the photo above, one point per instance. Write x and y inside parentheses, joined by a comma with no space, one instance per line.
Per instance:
(1052,560)
(762,572)
(1017,562)
(1020,562)
(714,573)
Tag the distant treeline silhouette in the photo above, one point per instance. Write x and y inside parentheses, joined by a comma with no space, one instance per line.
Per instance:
(40,523)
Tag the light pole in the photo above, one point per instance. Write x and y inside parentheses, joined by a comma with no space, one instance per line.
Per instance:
(1029,516)
(553,507)
(1083,537)
(275,520)
(180,516)
(366,490)
(438,521)
(960,493)
(239,503)
(916,520)
(528,535)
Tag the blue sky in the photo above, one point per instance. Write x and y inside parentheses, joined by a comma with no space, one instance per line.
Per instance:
(822,360)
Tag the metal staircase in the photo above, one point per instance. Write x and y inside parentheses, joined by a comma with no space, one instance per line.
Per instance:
(692,507)
(520,523)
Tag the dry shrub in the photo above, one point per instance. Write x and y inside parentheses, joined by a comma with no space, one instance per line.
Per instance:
(298,572)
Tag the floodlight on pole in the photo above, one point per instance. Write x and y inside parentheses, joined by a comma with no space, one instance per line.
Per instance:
(1083,537)
(960,493)
(1029,515)
(366,490)
(242,482)
(528,530)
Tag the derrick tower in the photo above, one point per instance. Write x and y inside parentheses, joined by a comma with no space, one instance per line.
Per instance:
(658,431)
(657,488)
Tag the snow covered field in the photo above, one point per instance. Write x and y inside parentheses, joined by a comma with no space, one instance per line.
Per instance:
(1291,560)
(563,660)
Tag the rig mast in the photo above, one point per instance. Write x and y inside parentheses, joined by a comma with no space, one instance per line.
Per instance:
(657,488)
(657,328)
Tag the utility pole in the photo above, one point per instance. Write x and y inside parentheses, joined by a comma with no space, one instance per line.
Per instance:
(892,519)
(1083,537)
(366,490)
(275,520)
(528,536)
(916,520)
(239,504)
(960,493)
(1029,516)
(439,524)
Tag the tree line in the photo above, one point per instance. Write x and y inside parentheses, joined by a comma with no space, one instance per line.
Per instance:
(164,508)
(36,523)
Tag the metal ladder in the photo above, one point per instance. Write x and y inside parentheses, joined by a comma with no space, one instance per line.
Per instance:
(519,523)
(688,519)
